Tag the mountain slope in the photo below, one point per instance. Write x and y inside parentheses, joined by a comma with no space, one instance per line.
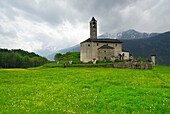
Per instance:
(142,47)
(75,48)
(49,52)
(129,34)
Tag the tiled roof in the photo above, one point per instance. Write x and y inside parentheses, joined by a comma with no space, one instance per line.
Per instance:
(124,50)
(93,19)
(106,47)
(153,54)
(102,40)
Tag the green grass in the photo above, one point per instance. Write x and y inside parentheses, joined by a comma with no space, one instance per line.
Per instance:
(74,56)
(51,64)
(85,90)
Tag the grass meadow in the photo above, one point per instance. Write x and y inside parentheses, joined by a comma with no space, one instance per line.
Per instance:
(85,90)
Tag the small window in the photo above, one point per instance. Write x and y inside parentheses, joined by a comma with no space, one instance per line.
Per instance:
(88,45)
(104,51)
(105,58)
(116,45)
(97,44)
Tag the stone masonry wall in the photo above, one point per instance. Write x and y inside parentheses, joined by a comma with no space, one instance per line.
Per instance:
(116,65)
(87,53)
(105,54)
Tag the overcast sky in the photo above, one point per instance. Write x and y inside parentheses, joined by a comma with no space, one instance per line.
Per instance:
(54,24)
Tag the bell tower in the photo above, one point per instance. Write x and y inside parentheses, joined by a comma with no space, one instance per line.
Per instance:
(93,28)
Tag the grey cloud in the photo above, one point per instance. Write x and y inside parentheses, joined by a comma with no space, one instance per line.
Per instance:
(50,11)
(11,33)
(108,12)
(54,12)
(112,16)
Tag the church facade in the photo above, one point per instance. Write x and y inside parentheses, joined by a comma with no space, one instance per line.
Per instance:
(101,49)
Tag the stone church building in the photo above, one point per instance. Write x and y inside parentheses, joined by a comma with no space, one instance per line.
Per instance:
(101,49)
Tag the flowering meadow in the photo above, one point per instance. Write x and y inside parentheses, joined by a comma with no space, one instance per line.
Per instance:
(85,90)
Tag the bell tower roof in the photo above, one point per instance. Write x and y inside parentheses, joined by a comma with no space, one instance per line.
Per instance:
(93,19)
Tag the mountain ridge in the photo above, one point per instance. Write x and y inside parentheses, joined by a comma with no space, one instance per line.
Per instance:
(128,34)
(142,47)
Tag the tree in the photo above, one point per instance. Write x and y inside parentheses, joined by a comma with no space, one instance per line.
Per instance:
(26,62)
(4,60)
(18,60)
(156,62)
(35,61)
(147,60)
(42,60)
(139,59)
(8,60)
(57,56)
(0,59)
(13,59)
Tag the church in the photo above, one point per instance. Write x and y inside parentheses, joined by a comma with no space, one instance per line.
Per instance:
(101,49)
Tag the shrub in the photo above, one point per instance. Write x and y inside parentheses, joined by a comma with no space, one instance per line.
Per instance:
(57,56)
(147,60)
(156,62)
(139,59)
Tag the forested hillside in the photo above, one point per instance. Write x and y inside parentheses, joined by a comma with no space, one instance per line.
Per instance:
(20,59)
(143,47)
(21,52)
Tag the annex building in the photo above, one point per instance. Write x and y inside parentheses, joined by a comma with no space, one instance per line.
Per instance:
(101,49)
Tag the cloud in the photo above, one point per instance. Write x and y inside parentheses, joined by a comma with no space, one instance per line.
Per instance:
(51,25)
(33,35)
